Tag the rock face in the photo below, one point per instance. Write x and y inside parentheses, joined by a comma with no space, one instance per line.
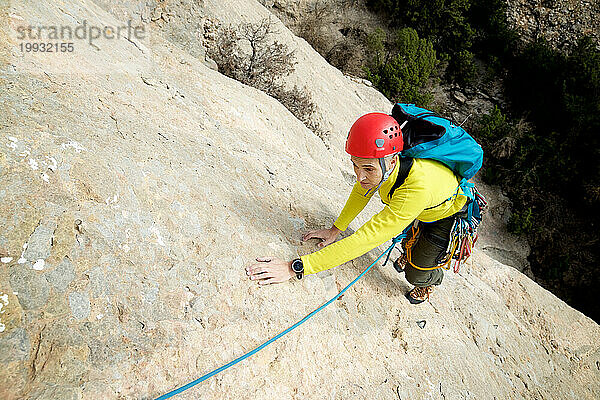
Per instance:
(560,22)
(136,184)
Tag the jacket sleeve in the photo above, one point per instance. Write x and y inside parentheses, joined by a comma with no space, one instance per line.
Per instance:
(407,204)
(356,202)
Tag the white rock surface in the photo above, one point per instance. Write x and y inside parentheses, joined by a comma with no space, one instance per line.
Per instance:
(168,180)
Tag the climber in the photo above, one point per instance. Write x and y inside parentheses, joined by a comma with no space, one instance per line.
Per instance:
(419,191)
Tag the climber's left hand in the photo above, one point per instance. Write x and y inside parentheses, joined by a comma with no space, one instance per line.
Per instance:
(270,270)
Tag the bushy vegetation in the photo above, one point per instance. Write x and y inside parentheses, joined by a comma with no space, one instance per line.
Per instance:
(461,68)
(445,22)
(400,64)
(247,52)
(458,29)
(544,148)
(346,52)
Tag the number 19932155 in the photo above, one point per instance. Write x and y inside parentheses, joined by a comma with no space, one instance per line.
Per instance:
(47,47)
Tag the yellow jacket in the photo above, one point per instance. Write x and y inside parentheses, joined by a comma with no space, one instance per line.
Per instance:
(425,195)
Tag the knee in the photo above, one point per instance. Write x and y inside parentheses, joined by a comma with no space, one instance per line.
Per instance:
(415,276)
(419,277)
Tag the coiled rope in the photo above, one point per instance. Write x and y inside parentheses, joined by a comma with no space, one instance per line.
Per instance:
(395,241)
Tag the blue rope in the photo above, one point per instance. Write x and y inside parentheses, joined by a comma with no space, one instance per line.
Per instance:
(395,240)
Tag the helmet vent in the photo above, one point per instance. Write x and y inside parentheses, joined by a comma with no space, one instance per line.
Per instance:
(385,131)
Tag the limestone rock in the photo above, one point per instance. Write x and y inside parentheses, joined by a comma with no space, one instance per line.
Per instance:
(162,179)
(61,276)
(460,97)
(80,305)
(494,238)
(32,287)
(560,22)
(15,346)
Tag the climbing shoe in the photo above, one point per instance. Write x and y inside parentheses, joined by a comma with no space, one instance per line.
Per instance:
(419,294)
(400,263)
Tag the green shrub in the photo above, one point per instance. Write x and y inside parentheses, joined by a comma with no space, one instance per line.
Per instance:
(554,174)
(492,126)
(461,68)
(461,29)
(443,22)
(493,40)
(377,48)
(561,95)
(400,65)
(521,221)
(491,175)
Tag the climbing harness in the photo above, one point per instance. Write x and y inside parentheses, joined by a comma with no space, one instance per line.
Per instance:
(172,393)
(463,236)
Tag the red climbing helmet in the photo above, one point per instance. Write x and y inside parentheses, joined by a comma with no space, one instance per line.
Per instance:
(374,135)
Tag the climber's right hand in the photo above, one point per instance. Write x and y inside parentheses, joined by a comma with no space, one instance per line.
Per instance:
(327,236)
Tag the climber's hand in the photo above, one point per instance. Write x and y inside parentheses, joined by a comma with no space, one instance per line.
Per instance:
(270,270)
(327,236)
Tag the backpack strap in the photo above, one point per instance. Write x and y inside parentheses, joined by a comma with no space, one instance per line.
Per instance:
(427,114)
(405,164)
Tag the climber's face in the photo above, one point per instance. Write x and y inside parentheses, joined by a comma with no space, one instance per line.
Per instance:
(368,171)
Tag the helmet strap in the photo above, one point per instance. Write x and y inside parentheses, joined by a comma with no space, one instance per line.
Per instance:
(384,174)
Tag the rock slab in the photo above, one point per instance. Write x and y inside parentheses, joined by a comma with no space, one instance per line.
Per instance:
(147,181)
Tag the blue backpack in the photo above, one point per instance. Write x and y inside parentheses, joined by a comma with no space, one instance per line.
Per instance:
(427,135)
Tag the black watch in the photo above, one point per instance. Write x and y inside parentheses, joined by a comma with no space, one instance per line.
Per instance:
(298,268)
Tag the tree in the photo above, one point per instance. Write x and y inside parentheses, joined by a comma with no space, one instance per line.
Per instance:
(247,53)
(400,65)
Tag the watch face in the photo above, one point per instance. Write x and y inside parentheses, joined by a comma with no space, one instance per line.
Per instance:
(297,266)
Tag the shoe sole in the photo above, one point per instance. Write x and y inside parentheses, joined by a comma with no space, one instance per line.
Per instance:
(397,267)
(412,299)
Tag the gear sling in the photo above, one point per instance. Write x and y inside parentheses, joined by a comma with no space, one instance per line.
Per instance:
(428,135)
